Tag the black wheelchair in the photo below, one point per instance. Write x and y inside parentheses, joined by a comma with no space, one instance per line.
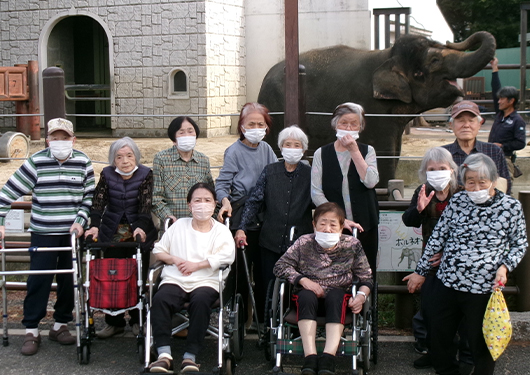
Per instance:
(359,339)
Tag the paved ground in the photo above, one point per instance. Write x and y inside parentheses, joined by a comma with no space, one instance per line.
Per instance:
(117,356)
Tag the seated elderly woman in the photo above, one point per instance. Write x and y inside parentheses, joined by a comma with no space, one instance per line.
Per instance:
(193,249)
(322,267)
(482,234)
(121,209)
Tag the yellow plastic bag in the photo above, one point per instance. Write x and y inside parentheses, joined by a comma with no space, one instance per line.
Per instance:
(497,326)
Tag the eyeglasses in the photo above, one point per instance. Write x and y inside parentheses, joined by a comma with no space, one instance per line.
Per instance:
(348,126)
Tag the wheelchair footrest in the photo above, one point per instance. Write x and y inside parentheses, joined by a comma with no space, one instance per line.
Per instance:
(346,348)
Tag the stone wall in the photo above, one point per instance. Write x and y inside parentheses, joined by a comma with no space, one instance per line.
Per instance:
(148,40)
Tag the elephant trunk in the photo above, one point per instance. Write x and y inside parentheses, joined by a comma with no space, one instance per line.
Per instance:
(464,65)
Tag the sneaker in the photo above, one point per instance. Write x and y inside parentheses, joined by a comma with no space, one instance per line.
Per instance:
(162,364)
(31,344)
(420,347)
(109,331)
(423,362)
(326,364)
(310,366)
(135,329)
(189,366)
(62,336)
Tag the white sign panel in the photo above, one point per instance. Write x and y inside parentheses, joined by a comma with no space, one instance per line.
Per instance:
(14,221)
(399,246)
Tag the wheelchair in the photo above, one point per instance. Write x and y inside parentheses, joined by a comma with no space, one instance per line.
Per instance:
(230,324)
(359,338)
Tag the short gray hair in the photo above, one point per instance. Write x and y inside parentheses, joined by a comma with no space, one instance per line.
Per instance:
(480,163)
(438,155)
(121,143)
(293,132)
(345,108)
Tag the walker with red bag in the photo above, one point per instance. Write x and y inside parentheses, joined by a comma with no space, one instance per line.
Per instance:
(111,286)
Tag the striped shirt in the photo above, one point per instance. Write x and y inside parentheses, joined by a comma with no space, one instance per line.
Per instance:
(62,192)
(173,178)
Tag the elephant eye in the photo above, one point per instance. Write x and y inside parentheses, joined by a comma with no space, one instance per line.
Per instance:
(418,74)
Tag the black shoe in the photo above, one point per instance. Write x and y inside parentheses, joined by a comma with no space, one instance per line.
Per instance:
(420,346)
(310,366)
(423,362)
(326,364)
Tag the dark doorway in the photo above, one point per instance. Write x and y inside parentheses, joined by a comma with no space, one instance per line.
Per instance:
(79,46)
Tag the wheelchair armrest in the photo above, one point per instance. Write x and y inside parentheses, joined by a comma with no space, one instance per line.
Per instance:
(223,267)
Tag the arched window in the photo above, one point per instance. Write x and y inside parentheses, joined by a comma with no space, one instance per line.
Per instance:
(178,84)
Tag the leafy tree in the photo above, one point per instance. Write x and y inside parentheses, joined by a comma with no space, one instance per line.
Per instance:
(501,18)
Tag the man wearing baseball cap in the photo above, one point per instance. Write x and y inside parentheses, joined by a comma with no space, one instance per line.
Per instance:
(61,181)
(465,124)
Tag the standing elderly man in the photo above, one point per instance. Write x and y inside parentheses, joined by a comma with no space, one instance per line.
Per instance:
(465,123)
(62,182)
(509,129)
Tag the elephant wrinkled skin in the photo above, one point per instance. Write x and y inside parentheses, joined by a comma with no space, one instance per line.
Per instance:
(413,76)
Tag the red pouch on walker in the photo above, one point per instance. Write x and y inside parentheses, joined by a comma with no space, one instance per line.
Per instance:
(113,283)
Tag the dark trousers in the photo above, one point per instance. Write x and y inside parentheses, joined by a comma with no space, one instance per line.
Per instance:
(420,321)
(119,320)
(169,300)
(370,241)
(268,260)
(39,286)
(333,305)
(446,314)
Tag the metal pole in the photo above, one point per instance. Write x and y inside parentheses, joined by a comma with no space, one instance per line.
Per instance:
(301,98)
(376,31)
(53,91)
(292,115)
(522,102)
(522,277)
(34,107)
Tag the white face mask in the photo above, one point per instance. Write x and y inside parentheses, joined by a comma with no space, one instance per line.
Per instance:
(202,211)
(120,172)
(255,135)
(186,144)
(327,240)
(479,197)
(292,155)
(439,179)
(61,150)
(341,133)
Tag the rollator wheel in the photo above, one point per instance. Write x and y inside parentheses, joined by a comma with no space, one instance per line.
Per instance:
(84,355)
(229,366)
(238,335)
(141,352)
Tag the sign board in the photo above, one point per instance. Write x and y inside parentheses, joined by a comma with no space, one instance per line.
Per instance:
(399,246)
(14,83)
(14,221)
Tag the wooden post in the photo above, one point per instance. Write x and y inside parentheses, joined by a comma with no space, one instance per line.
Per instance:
(292,115)
(22,108)
(33,82)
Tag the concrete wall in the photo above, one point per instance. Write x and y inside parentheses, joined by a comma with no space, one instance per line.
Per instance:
(147,41)
(321,24)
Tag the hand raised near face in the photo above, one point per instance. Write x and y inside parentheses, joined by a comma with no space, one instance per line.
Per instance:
(424,199)
(349,143)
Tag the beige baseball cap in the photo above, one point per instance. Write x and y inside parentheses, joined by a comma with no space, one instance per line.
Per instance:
(61,124)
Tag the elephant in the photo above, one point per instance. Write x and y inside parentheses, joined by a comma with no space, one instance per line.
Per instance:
(414,75)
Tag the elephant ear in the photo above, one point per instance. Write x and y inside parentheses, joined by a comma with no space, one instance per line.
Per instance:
(390,83)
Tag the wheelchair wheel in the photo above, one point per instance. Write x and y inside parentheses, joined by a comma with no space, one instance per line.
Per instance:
(238,333)
(229,366)
(267,339)
(375,324)
(141,350)
(274,321)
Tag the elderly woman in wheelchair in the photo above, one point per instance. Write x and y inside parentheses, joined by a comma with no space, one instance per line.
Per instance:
(322,268)
(193,250)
